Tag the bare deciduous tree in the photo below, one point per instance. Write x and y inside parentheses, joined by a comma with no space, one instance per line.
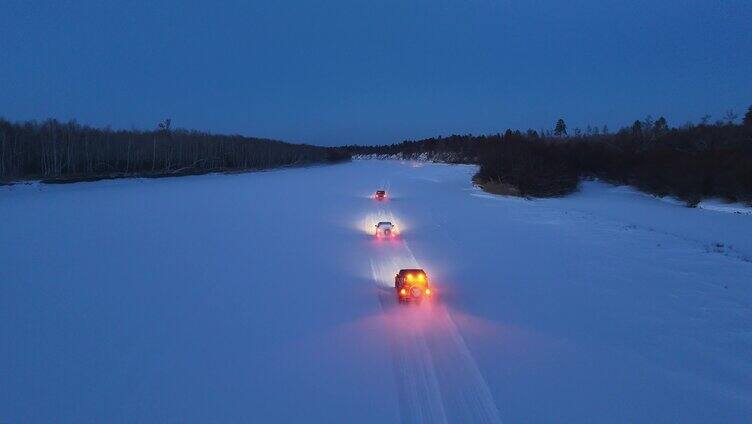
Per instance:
(68,150)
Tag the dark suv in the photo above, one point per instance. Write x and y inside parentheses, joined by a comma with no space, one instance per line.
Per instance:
(412,285)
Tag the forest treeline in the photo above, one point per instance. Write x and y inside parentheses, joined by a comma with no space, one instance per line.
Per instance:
(67,151)
(691,162)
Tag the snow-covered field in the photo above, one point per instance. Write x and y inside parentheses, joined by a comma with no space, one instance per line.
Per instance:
(264,298)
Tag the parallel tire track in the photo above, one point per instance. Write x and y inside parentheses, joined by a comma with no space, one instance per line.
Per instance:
(437,377)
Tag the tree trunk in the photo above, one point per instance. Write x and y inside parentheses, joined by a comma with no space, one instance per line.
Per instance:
(154,153)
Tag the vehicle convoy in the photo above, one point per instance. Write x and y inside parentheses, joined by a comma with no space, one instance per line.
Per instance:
(412,285)
(380,195)
(386,229)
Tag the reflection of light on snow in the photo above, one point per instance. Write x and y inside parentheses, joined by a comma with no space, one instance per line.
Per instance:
(372,196)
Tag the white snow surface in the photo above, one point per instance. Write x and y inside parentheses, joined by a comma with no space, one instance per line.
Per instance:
(264,297)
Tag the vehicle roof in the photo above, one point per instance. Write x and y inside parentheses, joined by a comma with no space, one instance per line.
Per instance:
(406,271)
(380,191)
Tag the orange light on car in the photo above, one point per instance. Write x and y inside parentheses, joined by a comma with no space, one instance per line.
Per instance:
(428,292)
(421,277)
(409,277)
(403,292)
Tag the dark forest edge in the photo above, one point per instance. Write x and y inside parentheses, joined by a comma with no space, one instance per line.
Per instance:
(57,152)
(692,162)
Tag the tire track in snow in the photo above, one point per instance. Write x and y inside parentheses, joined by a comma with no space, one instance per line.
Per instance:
(418,390)
(438,379)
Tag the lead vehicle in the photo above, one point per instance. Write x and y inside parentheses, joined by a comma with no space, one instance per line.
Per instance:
(412,285)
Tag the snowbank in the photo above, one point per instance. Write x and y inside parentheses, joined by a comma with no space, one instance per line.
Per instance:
(437,157)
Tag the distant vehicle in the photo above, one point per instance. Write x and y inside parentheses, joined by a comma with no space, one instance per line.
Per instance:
(412,285)
(380,195)
(386,229)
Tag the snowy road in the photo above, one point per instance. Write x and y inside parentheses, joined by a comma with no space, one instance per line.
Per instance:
(437,377)
(264,297)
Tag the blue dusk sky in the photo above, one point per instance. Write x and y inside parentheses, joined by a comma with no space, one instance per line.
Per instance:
(373,72)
